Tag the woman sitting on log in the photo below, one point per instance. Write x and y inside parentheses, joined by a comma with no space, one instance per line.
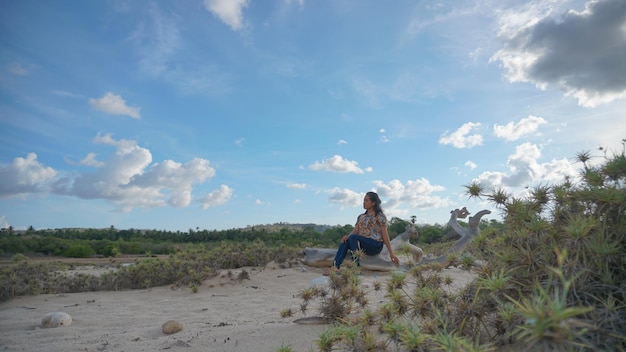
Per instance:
(369,234)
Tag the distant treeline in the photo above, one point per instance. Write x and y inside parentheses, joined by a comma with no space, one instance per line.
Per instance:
(110,242)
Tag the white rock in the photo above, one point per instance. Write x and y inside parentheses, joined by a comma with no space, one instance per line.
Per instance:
(56,319)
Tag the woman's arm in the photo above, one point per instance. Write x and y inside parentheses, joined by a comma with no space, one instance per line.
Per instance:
(385,234)
(355,231)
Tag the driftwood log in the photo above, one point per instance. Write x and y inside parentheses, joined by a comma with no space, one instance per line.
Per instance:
(323,257)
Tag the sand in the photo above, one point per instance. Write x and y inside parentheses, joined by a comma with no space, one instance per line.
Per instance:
(226,314)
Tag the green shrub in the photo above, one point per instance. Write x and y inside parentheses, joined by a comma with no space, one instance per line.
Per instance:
(563,246)
(79,250)
(19,258)
(111,250)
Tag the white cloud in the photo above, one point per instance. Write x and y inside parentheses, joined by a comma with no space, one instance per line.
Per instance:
(175,179)
(429,15)
(383,136)
(299,2)
(581,52)
(24,175)
(338,164)
(4,224)
(90,160)
(260,202)
(110,181)
(416,194)
(460,138)
(128,179)
(397,197)
(514,131)
(342,142)
(229,11)
(217,197)
(344,197)
(470,164)
(115,105)
(157,40)
(17,69)
(164,39)
(296,185)
(525,170)
(64,93)
(475,54)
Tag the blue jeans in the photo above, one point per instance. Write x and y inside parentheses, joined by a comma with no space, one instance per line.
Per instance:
(355,242)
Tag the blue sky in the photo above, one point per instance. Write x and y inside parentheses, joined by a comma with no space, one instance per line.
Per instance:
(220,114)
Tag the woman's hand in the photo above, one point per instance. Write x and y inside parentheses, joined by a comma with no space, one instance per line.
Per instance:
(394,259)
(344,238)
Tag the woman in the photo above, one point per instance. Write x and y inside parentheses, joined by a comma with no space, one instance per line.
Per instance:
(369,234)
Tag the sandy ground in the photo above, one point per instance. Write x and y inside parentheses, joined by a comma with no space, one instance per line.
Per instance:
(224,315)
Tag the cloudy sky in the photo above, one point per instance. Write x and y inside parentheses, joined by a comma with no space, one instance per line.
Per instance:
(218,114)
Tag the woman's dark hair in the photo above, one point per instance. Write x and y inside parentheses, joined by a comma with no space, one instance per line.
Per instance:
(373,196)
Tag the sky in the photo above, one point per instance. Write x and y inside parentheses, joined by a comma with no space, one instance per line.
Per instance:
(221,114)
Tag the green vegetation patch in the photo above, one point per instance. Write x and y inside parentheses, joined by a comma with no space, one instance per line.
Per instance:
(186,267)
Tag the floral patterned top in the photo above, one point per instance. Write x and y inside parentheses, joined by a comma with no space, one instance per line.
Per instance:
(371,226)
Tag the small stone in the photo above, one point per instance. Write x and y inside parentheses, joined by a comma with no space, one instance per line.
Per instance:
(171,327)
(56,319)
